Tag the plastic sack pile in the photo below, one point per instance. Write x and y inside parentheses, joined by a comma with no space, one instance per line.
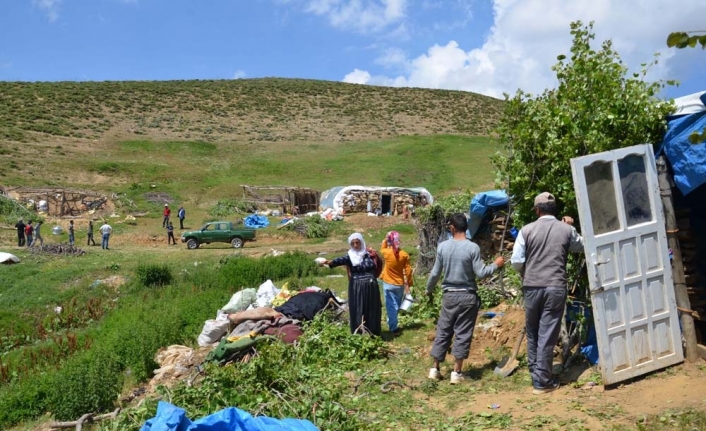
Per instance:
(172,418)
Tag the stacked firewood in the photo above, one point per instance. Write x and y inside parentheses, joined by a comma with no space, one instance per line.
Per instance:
(495,229)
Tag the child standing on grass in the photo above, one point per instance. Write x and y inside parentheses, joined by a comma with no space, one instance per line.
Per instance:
(170,234)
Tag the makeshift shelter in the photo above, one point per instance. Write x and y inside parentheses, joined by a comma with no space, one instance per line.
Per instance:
(388,200)
(688,165)
(56,201)
(291,200)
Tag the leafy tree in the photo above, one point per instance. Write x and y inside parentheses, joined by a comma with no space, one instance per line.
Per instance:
(681,39)
(597,106)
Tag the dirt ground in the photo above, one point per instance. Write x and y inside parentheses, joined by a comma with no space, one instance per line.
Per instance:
(577,402)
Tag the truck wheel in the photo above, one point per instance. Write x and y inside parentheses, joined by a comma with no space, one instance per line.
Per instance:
(237,242)
(192,244)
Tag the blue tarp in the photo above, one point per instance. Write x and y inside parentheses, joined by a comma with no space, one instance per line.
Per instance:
(480,204)
(172,418)
(256,221)
(688,160)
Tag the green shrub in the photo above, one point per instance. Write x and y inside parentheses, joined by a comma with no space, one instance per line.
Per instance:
(310,227)
(227,207)
(89,382)
(11,211)
(154,275)
(243,271)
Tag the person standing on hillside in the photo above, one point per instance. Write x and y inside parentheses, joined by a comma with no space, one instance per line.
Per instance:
(89,233)
(182,215)
(38,234)
(105,231)
(20,226)
(539,255)
(396,277)
(166,213)
(72,234)
(29,230)
(170,234)
(364,305)
(460,261)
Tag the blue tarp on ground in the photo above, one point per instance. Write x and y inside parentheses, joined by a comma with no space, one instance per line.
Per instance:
(256,221)
(688,160)
(479,206)
(172,418)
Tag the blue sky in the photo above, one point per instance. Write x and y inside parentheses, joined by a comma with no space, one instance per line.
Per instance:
(485,46)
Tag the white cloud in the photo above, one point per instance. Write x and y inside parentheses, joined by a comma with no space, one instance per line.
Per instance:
(239,74)
(527,35)
(357,77)
(5,65)
(392,57)
(359,15)
(50,7)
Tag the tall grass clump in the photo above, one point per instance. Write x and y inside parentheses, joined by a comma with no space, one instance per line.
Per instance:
(152,275)
(241,272)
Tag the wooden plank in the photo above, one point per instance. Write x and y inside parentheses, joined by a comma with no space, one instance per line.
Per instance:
(682,297)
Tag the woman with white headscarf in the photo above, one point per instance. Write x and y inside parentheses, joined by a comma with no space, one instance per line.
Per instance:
(364,304)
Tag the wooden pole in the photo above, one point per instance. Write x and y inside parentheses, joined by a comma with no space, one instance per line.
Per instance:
(687,320)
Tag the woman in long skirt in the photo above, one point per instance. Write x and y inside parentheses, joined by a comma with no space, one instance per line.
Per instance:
(364,304)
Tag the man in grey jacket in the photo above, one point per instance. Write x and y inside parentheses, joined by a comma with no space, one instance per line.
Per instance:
(539,255)
(460,261)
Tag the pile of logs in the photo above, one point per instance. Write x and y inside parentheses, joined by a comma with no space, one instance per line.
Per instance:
(496,229)
(61,249)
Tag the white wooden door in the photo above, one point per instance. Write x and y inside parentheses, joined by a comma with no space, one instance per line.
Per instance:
(629,270)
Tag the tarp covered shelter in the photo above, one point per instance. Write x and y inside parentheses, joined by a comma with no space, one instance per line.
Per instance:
(688,160)
(388,199)
(480,204)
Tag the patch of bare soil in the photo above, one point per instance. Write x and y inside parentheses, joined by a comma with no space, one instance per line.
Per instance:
(596,408)
(365,223)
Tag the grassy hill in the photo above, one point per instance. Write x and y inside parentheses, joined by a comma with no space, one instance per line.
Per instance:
(253,110)
(202,139)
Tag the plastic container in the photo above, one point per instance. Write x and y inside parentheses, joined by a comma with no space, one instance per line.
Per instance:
(407,302)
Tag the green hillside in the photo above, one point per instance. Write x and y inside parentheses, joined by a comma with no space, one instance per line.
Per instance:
(269,110)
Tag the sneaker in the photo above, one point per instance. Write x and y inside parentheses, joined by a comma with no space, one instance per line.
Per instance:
(434,374)
(456,378)
(539,390)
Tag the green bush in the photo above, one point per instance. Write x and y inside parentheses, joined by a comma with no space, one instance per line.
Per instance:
(311,227)
(89,382)
(227,207)
(11,211)
(242,272)
(154,275)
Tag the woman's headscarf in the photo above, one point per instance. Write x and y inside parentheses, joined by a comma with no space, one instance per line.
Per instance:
(356,256)
(393,240)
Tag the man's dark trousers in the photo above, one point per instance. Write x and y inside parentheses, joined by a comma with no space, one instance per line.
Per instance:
(544,309)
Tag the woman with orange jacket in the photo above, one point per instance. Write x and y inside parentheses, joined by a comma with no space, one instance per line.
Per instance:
(396,277)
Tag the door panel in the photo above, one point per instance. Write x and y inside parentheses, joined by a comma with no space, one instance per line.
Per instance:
(628,262)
